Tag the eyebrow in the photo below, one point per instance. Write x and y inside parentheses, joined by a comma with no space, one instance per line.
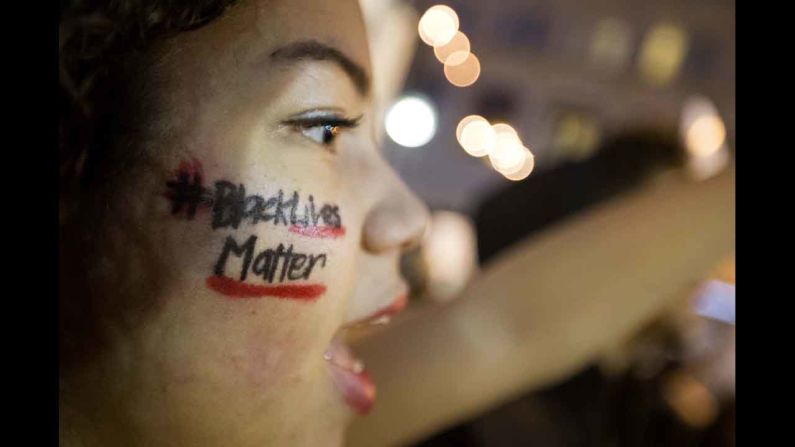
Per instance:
(314,50)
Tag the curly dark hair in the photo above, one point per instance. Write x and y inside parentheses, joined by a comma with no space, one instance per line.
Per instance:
(105,47)
(100,43)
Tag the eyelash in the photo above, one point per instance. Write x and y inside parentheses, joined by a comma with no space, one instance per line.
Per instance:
(329,128)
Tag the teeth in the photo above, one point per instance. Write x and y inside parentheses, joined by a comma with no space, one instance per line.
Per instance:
(382,320)
(357,366)
(339,355)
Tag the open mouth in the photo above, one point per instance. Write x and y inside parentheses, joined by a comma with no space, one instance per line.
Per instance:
(349,372)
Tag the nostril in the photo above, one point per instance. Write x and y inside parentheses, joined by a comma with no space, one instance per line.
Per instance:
(418,235)
(416,226)
(410,244)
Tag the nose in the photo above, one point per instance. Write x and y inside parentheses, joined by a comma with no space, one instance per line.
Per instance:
(397,220)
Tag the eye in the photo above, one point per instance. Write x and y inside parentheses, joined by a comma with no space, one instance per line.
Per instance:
(321,128)
(324,134)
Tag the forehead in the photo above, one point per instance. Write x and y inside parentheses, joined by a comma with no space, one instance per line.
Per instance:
(256,27)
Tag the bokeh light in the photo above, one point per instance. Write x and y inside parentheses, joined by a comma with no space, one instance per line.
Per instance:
(518,165)
(611,45)
(524,170)
(438,25)
(506,131)
(696,106)
(662,53)
(477,137)
(702,168)
(462,74)
(690,399)
(704,136)
(464,121)
(507,158)
(458,45)
(411,121)
(508,154)
(576,136)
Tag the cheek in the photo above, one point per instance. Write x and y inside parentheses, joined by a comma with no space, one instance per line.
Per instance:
(277,259)
(245,244)
(263,362)
(241,354)
(255,240)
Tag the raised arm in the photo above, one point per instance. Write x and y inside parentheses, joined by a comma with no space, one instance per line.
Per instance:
(546,308)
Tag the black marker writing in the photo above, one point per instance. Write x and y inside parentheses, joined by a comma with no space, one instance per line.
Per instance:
(272,264)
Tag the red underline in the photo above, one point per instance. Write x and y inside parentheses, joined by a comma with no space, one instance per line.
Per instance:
(236,289)
(318,231)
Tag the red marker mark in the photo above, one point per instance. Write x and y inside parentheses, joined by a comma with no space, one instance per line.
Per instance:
(236,289)
(186,190)
(192,167)
(319,231)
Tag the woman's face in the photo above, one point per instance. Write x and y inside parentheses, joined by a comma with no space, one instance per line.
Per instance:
(259,221)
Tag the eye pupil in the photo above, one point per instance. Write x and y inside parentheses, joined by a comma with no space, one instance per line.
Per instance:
(329,132)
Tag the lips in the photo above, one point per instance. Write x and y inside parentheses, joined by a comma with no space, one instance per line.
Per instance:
(384,314)
(349,373)
(350,377)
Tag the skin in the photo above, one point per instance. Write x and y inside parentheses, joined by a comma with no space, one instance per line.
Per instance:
(161,359)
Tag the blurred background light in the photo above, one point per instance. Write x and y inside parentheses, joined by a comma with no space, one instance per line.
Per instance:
(459,45)
(509,153)
(438,25)
(664,48)
(476,135)
(423,37)
(690,399)
(611,44)
(508,156)
(411,121)
(521,154)
(505,131)
(696,107)
(703,134)
(716,300)
(524,170)
(576,136)
(706,135)
(702,168)
(450,254)
(464,121)
(463,73)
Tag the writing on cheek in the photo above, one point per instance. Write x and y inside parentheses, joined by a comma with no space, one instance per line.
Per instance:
(233,207)
(242,269)
(186,191)
(272,266)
